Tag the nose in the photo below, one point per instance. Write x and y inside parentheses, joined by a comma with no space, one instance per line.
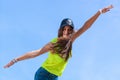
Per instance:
(66,32)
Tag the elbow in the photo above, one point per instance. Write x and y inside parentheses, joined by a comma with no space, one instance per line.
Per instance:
(32,54)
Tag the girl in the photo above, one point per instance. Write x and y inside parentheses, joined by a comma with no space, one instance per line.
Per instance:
(59,49)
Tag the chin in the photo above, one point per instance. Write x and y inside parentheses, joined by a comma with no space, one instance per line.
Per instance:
(66,36)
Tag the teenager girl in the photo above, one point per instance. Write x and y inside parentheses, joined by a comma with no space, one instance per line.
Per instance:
(59,49)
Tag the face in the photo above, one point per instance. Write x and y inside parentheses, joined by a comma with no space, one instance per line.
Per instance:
(67,31)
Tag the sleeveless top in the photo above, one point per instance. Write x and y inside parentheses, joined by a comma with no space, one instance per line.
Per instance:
(54,63)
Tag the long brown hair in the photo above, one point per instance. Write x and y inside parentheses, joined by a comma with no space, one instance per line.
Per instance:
(63,46)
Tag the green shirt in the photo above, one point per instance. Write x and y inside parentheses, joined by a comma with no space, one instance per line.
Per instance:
(54,63)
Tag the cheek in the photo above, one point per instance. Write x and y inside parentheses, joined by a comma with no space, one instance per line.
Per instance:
(63,32)
(70,32)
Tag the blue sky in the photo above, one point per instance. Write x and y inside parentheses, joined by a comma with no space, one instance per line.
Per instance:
(27,25)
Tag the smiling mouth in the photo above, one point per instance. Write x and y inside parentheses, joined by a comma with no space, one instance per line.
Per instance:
(67,35)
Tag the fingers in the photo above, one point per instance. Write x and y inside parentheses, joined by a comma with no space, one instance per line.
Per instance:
(9,64)
(6,66)
(106,9)
(110,7)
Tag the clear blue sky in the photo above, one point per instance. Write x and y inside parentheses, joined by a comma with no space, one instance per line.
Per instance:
(27,25)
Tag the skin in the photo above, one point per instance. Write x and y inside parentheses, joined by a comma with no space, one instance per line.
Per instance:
(66,32)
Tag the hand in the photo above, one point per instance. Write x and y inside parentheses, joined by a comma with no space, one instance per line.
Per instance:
(106,9)
(10,63)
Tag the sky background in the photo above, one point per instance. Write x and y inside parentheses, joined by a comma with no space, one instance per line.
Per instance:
(27,25)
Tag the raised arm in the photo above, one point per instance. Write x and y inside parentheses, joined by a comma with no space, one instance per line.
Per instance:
(29,55)
(89,22)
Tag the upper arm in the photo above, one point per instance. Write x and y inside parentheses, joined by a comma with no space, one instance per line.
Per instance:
(45,48)
(78,33)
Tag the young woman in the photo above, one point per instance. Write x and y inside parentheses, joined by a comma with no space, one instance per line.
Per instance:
(59,49)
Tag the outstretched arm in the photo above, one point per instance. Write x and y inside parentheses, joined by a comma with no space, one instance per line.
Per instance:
(89,22)
(29,55)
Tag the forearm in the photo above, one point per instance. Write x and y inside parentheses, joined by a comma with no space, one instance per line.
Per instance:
(90,21)
(86,25)
(28,55)
(34,53)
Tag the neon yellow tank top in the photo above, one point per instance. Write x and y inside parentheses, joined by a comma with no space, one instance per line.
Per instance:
(54,63)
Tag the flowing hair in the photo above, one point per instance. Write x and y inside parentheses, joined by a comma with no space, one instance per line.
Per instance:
(63,46)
